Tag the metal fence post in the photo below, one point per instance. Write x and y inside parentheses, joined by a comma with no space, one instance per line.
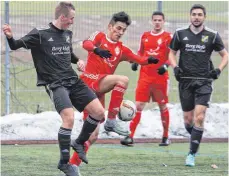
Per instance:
(159,6)
(7,65)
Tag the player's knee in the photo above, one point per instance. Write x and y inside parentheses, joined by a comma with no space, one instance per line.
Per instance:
(124,81)
(67,118)
(199,120)
(99,113)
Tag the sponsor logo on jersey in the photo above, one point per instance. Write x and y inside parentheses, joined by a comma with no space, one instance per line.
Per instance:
(117,50)
(195,48)
(159,41)
(204,39)
(50,40)
(185,38)
(67,39)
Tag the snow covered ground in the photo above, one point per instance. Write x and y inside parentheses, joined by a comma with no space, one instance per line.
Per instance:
(44,126)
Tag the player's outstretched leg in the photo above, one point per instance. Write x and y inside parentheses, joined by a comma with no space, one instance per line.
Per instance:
(115,102)
(75,159)
(79,148)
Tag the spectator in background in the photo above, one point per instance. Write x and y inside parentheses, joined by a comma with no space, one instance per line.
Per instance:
(51,49)
(153,79)
(195,72)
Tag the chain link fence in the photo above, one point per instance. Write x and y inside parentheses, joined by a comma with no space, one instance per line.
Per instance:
(94,16)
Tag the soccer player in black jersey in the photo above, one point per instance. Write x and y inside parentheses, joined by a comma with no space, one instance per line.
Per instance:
(51,49)
(195,72)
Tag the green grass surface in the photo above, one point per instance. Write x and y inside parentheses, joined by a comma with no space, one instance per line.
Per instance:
(113,160)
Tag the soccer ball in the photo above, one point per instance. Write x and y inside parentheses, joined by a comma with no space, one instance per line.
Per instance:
(127,110)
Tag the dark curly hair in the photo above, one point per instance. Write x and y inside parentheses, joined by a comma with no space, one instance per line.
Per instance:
(122,17)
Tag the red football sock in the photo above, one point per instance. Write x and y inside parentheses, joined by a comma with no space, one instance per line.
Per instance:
(165,122)
(134,123)
(116,100)
(75,158)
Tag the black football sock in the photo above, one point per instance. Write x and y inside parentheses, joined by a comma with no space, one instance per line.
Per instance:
(196,137)
(88,128)
(188,127)
(64,139)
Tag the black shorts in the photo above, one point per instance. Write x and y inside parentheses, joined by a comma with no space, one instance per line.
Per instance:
(194,92)
(70,93)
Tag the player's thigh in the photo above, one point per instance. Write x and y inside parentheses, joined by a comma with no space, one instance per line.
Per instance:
(95,109)
(142,92)
(60,98)
(187,96)
(159,92)
(81,95)
(203,93)
(108,82)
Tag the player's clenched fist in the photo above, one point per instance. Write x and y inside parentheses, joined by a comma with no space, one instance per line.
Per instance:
(7,31)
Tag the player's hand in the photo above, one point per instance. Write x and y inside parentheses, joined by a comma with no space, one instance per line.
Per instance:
(102,53)
(7,31)
(81,65)
(214,74)
(162,69)
(152,60)
(134,66)
(178,73)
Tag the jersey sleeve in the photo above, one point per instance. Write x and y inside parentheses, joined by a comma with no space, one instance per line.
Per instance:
(129,55)
(141,46)
(93,41)
(175,42)
(218,43)
(32,39)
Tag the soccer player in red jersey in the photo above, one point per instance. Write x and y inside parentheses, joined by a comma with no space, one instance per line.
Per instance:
(105,52)
(153,79)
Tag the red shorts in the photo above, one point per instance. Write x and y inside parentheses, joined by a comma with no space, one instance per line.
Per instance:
(158,91)
(92,81)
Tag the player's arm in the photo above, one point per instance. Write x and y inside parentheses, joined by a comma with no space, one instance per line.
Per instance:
(92,44)
(174,47)
(128,55)
(164,68)
(74,58)
(224,55)
(32,39)
(219,46)
(134,66)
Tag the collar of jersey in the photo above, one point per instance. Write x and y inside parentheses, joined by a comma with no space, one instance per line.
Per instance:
(151,32)
(109,40)
(195,33)
(53,26)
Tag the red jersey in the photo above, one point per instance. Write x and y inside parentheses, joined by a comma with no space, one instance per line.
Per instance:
(155,45)
(98,65)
